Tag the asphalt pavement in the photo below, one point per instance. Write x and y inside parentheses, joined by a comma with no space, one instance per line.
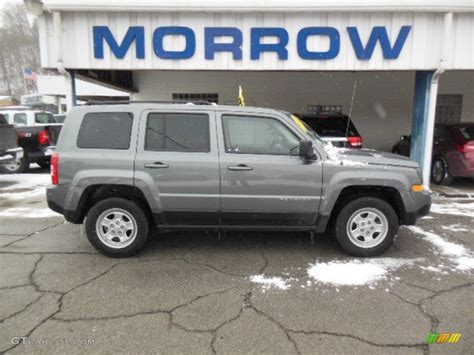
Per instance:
(193,293)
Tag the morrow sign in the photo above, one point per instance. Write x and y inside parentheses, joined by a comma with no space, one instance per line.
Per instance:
(233,41)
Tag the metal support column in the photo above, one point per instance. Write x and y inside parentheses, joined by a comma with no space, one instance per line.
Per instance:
(420,115)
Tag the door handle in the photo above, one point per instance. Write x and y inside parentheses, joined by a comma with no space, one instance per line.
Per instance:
(240,167)
(156,165)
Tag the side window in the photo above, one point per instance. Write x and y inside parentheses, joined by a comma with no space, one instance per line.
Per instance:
(258,135)
(19,118)
(177,132)
(105,130)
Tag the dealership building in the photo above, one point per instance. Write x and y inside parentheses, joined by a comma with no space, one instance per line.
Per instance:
(395,67)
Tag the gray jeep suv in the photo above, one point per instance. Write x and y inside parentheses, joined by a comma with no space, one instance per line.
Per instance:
(129,167)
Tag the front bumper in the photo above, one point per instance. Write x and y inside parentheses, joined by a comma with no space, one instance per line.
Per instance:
(411,217)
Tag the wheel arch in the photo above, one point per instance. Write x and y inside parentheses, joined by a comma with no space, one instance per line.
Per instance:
(386,193)
(96,193)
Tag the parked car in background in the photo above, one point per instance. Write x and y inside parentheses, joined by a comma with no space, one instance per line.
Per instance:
(59,118)
(124,169)
(10,152)
(453,152)
(336,128)
(37,134)
(403,146)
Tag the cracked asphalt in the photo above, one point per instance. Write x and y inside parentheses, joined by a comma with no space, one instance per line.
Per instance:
(190,293)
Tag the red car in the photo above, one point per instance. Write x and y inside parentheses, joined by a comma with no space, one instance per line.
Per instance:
(453,152)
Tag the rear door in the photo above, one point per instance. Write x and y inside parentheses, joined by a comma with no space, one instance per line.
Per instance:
(263,180)
(177,153)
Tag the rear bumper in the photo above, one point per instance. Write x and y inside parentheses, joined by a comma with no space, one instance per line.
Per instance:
(43,153)
(55,196)
(10,156)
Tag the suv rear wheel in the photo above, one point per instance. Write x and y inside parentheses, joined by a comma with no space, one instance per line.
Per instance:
(366,226)
(117,227)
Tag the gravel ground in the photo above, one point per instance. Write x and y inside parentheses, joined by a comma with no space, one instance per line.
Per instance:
(190,292)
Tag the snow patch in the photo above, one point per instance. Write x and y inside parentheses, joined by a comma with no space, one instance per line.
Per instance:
(355,272)
(28,212)
(445,247)
(24,181)
(270,282)
(334,156)
(455,228)
(457,253)
(454,208)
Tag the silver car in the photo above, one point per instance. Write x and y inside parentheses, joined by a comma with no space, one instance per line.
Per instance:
(125,168)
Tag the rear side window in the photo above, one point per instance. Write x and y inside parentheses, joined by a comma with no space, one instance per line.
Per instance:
(177,132)
(19,118)
(44,118)
(3,120)
(105,130)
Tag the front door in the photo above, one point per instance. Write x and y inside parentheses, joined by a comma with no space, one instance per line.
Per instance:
(177,156)
(263,180)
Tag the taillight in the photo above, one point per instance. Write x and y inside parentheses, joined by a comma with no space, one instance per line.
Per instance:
(55,169)
(355,142)
(466,148)
(44,138)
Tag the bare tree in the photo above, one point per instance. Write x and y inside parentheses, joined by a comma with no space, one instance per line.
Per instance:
(19,49)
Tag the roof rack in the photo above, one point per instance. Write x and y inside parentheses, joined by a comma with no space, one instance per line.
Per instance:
(125,102)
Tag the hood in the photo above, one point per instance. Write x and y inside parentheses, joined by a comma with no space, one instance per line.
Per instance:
(344,156)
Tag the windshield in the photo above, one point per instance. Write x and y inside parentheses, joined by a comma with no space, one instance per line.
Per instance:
(44,118)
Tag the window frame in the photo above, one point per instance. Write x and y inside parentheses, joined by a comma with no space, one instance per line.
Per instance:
(257,116)
(195,113)
(132,117)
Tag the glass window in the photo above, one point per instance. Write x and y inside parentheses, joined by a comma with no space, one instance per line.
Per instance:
(177,132)
(44,118)
(3,120)
(19,118)
(258,135)
(105,130)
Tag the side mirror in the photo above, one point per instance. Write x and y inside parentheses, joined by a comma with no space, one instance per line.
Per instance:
(307,150)
(404,138)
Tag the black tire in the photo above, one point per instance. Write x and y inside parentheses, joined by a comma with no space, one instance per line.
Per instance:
(19,168)
(440,173)
(359,204)
(44,164)
(120,205)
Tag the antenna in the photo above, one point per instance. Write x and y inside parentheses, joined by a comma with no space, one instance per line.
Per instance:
(350,108)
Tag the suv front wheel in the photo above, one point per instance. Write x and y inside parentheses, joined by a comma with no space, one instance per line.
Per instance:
(117,227)
(366,226)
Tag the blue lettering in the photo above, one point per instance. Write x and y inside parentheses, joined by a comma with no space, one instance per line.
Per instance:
(161,52)
(334,43)
(379,33)
(257,47)
(134,33)
(211,47)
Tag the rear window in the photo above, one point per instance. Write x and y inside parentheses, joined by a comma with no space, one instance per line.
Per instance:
(177,132)
(467,132)
(44,118)
(331,126)
(105,130)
